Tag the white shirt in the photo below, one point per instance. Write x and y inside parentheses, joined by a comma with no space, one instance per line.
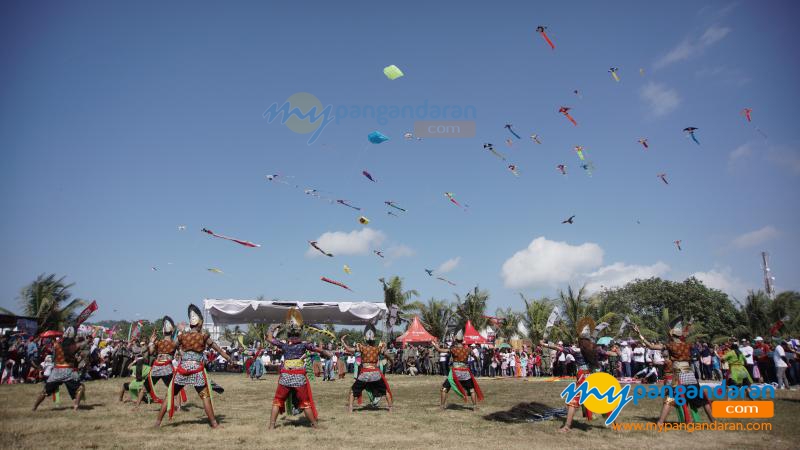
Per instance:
(638,354)
(625,354)
(570,358)
(776,357)
(747,351)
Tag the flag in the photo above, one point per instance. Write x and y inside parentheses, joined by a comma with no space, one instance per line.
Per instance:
(554,316)
(135,330)
(86,313)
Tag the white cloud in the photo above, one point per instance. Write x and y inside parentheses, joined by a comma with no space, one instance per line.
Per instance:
(691,47)
(619,274)
(661,99)
(399,251)
(740,152)
(356,242)
(548,263)
(449,265)
(756,237)
(724,281)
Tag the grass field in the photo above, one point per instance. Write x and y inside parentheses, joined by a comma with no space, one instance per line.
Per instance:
(416,422)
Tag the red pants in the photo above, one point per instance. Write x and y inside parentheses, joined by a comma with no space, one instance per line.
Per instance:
(301,393)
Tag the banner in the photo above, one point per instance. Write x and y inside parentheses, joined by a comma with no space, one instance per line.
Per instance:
(86,313)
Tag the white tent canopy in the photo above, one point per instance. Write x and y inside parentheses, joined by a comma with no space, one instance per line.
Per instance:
(230,311)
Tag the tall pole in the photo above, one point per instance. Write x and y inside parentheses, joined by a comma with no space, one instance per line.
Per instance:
(768,278)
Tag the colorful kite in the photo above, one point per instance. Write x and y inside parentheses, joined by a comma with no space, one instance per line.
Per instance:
(378,252)
(513,169)
(446,281)
(511,130)
(363,220)
(344,202)
(678,244)
(562,168)
(450,196)
(565,111)
(429,272)
(509,143)
(314,244)
(614,75)
(490,147)
(392,72)
(238,241)
(569,221)
(368,175)
(543,31)
(409,136)
(535,138)
(341,285)
(393,205)
(663,177)
(746,112)
(644,143)
(347,269)
(215,270)
(579,151)
(376,137)
(690,133)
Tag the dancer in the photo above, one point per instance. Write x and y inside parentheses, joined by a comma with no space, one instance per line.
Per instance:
(682,374)
(161,370)
(65,370)
(460,377)
(293,380)
(136,388)
(370,376)
(191,369)
(586,360)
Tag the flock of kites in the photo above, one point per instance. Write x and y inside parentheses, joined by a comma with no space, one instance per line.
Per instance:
(393,72)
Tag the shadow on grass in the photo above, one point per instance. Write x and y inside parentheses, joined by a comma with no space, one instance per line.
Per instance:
(200,420)
(82,407)
(790,400)
(457,407)
(527,412)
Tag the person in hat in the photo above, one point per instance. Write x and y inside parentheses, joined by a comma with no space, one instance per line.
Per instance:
(65,370)
(682,374)
(293,380)
(370,377)
(161,370)
(586,357)
(460,377)
(191,369)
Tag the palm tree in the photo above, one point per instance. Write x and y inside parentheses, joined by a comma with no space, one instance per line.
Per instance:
(535,316)
(436,316)
(472,308)
(756,312)
(509,323)
(575,307)
(48,300)
(394,295)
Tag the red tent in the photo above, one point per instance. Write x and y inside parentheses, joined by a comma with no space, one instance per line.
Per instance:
(471,336)
(415,333)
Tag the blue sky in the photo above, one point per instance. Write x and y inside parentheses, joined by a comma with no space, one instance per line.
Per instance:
(122,121)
